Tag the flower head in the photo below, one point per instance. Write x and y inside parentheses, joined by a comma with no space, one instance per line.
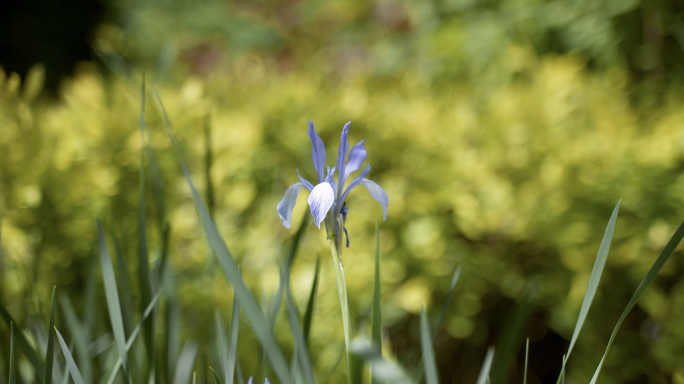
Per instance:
(327,198)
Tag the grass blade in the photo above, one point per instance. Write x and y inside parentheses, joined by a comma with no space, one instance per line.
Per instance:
(648,279)
(223,352)
(232,347)
(134,334)
(186,361)
(217,379)
(594,280)
(527,355)
(308,315)
(75,374)
(76,328)
(230,269)
(376,315)
(486,366)
(383,370)
(512,336)
(23,345)
(300,345)
(143,257)
(12,363)
(125,290)
(452,287)
(344,307)
(112,295)
(50,353)
(428,353)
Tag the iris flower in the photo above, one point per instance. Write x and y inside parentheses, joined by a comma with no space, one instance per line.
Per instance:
(251,380)
(327,198)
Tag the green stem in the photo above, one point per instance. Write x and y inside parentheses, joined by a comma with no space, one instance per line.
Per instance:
(344,303)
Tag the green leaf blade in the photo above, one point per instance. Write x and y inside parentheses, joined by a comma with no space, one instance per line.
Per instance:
(428,353)
(73,368)
(50,353)
(230,269)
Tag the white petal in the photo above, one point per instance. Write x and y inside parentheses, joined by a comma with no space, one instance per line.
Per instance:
(321,200)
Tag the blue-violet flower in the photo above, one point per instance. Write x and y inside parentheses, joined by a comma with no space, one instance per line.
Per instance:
(328,196)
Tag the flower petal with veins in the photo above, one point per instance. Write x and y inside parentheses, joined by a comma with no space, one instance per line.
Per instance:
(320,201)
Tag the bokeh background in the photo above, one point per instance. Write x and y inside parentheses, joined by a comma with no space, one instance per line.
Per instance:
(504,133)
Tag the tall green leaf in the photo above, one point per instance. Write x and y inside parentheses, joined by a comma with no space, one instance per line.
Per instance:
(80,335)
(376,315)
(232,346)
(486,366)
(50,353)
(594,280)
(527,355)
(186,361)
(512,336)
(12,363)
(217,379)
(23,345)
(452,288)
(648,279)
(124,287)
(308,315)
(222,345)
(230,269)
(143,257)
(134,334)
(300,345)
(75,373)
(383,370)
(112,295)
(428,353)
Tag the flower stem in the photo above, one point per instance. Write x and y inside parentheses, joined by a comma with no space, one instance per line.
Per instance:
(344,303)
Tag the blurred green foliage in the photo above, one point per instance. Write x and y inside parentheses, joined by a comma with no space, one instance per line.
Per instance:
(503,132)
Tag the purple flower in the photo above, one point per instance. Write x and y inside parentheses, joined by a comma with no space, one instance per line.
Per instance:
(250,380)
(328,196)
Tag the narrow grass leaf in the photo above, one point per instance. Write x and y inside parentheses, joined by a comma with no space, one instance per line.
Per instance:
(232,346)
(308,315)
(383,369)
(217,379)
(300,345)
(648,279)
(134,334)
(112,295)
(143,257)
(23,345)
(486,366)
(230,269)
(512,336)
(79,334)
(222,345)
(376,314)
(527,355)
(452,287)
(296,239)
(75,373)
(344,307)
(124,287)
(594,280)
(186,361)
(50,353)
(12,362)
(428,353)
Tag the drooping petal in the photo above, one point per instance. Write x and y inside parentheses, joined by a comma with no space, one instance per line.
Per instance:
(306,182)
(249,381)
(342,156)
(378,194)
(288,202)
(357,156)
(354,183)
(266,381)
(320,200)
(317,152)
